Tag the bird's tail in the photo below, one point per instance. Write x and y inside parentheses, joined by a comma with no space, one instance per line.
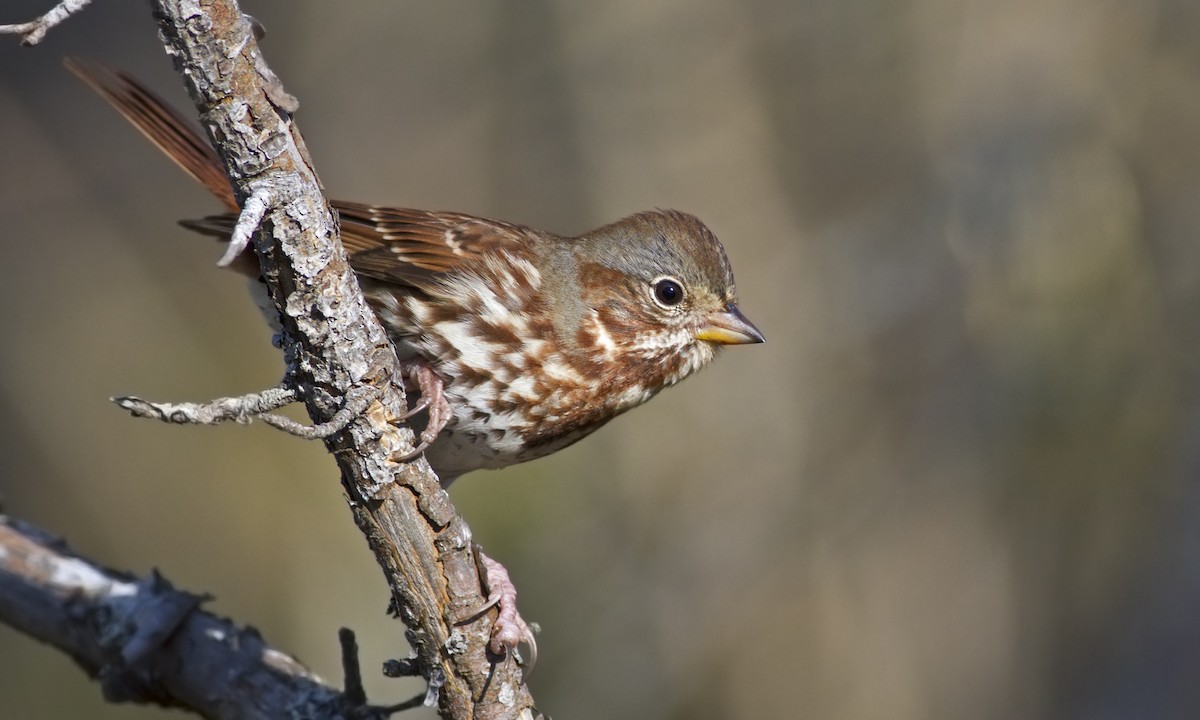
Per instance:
(164,127)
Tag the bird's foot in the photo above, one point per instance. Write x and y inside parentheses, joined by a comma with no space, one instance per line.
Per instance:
(433,401)
(510,629)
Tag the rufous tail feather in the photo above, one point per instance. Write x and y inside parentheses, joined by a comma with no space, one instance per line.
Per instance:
(161,124)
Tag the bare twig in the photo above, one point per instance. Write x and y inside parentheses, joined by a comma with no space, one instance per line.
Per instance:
(33,31)
(351,670)
(238,409)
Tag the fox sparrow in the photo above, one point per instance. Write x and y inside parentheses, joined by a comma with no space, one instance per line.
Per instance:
(519,342)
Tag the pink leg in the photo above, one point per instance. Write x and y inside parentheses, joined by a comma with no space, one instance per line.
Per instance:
(510,629)
(433,399)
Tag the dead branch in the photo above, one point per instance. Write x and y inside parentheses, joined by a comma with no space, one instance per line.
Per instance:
(33,31)
(147,642)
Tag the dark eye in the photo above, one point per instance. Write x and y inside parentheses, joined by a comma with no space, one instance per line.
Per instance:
(668,292)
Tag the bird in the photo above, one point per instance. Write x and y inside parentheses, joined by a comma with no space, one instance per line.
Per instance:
(515,341)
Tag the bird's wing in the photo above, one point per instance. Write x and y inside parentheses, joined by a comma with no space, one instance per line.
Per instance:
(407,247)
(416,247)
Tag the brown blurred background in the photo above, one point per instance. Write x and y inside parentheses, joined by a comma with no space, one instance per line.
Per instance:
(962,479)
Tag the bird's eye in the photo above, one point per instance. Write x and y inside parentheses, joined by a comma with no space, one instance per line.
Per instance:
(668,292)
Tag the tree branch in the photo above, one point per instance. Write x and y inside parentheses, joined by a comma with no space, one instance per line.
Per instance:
(336,349)
(148,642)
(33,31)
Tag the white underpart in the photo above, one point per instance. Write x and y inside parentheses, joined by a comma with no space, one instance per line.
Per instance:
(471,351)
(520,388)
(495,313)
(696,355)
(420,313)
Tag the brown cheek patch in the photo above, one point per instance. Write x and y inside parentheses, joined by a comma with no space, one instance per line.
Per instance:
(599,283)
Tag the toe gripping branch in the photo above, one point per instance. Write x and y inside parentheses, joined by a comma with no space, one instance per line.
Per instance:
(510,630)
(433,400)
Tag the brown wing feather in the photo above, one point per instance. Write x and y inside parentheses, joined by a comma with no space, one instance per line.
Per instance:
(400,245)
(413,247)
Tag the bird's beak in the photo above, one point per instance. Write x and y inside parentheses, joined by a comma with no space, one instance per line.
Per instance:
(730,327)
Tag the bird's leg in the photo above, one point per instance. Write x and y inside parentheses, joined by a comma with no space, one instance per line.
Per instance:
(433,400)
(510,629)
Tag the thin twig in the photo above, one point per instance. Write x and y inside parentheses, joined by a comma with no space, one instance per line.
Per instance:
(352,684)
(240,409)
(251,217)
(33,31)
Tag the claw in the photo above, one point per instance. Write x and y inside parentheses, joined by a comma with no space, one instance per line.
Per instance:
(421,405)
(411,454)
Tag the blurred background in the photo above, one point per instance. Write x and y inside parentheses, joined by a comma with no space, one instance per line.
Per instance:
(962,478)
